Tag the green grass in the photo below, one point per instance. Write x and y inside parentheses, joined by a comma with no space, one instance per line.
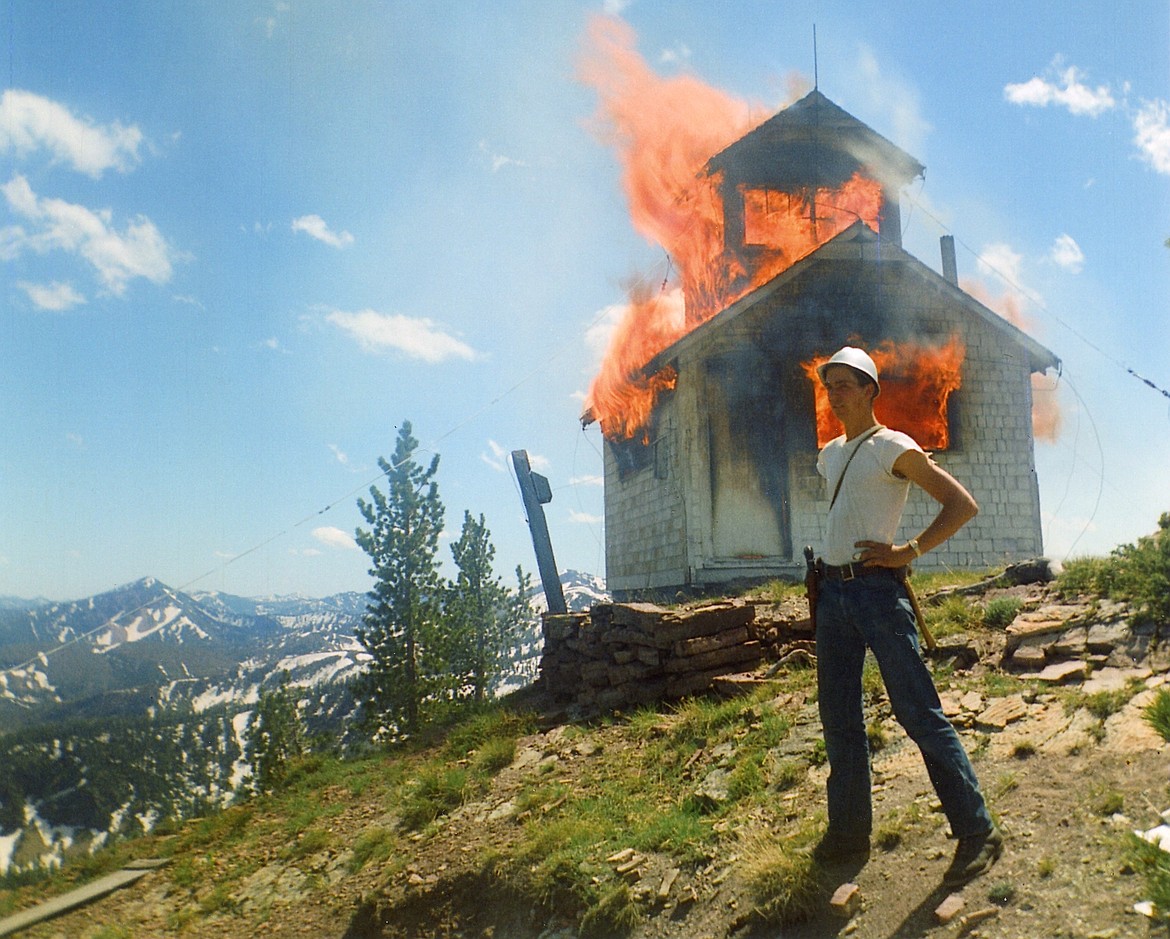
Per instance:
(1157,713)
(373,846)
(1137,573)
(781,875)
(221,829)
(643,797)
(928,582)
(1102,704)
(776,591)
(953,615)
(437,791)
(1105,801)
(999,612)
(1154,865)
(614,914)
(1001,893)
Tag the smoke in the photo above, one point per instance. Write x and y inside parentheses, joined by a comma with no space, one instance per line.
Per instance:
(663,129)
(1046,411)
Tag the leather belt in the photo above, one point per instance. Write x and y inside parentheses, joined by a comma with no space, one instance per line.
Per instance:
(844,572)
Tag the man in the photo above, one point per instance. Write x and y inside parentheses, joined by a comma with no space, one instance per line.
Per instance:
(862,602)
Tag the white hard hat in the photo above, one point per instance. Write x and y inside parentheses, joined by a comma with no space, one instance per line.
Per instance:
(856,359)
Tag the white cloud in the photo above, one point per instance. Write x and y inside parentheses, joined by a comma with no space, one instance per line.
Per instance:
(1066,253)
(497,460)
(586,480)
(679,54)
(270,23)
(542,464)
(498,160)
(1151,127)
(314,226)
(118,257)
(1001,261)
(55,296)
(417,337)
(1064,88)
(29,122)
(584,518)
(341,456)
(335,538)
(615,7)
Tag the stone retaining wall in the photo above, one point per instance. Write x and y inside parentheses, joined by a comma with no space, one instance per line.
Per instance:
(621,655)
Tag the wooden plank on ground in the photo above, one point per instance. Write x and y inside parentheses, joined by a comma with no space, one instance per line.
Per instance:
(79,897)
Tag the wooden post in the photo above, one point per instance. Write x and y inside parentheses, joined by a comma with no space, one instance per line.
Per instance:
(535,491)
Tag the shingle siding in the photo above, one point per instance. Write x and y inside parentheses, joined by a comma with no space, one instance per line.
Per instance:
(659,518)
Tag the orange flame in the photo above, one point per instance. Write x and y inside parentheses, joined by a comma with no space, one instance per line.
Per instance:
(621,398)
(917,381)
(665,131)
(1046,415)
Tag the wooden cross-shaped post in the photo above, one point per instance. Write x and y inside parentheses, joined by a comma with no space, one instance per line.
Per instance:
(535,491)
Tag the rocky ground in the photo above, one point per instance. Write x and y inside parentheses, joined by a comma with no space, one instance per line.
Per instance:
(1065,780)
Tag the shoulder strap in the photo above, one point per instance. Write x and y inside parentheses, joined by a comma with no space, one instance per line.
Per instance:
(840,479)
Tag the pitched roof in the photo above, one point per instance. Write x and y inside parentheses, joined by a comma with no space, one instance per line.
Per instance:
(858,243)
(813,142)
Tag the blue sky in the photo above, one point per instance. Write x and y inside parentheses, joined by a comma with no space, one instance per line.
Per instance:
(241,241)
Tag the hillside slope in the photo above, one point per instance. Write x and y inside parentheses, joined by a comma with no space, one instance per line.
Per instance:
(1069,766)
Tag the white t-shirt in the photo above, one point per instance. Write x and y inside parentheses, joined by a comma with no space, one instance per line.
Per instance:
(870,503)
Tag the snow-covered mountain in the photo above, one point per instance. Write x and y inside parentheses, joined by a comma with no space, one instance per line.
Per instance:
(581,591)
(146,645)
(133,704)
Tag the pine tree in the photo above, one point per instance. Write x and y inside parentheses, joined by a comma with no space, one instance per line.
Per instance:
(484,615)
(402,627)
(274,736)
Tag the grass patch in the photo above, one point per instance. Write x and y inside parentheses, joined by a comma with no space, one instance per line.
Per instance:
(1137,573)
(1001,893)
(437,791)
(929,582)
(492,727)
(1157,713)
(221,829)
(308,843)
(1000,612)
(777,591)
(373,846)
(955,614)
(644,796)
(873,689)
(781,876)
(614,914)
(1024,749)
(1154,865)
(788,774)
(1001,684)
(875,733)
(1102,704)
(1105,801)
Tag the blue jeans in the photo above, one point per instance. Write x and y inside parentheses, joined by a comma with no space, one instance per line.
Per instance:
(874,611)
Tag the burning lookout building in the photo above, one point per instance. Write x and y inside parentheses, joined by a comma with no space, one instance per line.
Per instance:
(710,447)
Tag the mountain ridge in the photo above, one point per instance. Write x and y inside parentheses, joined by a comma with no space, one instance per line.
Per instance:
(169,668)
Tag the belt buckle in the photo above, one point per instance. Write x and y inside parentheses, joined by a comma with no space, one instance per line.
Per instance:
(847,573)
